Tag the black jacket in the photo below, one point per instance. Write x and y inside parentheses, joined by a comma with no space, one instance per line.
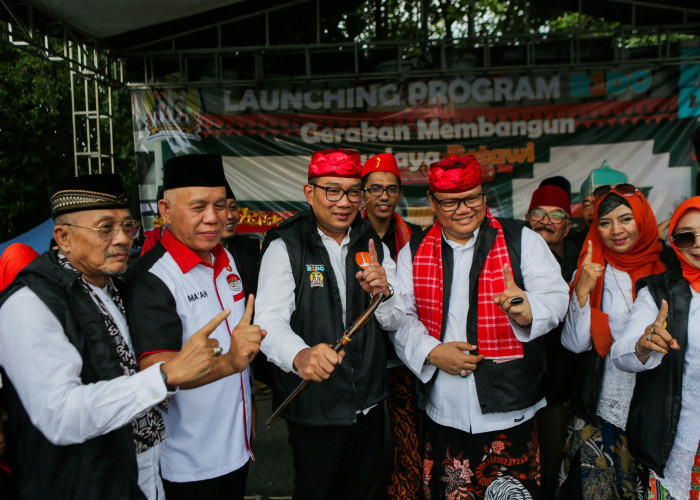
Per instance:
(500,387)
(652,421)
(101,468)
(360,380)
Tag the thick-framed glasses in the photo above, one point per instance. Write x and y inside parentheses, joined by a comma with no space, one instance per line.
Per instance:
(621,189)
(107,230)
(537,214)
(355,195)
(685,239)
(378,191)
(452,204)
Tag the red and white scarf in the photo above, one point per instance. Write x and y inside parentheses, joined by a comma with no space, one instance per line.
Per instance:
(496,340)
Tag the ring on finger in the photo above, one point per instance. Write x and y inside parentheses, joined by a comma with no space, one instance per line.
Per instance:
(464,373)
(217,351)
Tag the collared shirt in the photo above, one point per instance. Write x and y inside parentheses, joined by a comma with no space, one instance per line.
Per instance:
(44,367)
(679,466)
(275,301)
(172,293)
(618,386)
(453,400)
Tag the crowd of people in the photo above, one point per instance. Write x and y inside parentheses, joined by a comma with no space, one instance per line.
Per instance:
(516,359)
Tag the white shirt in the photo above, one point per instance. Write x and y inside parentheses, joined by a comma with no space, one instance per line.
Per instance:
(616,302)
(453,400)
(275,305)
(44,368)
(679,466)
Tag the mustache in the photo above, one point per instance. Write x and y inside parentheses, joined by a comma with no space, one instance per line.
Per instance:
(117,250)
(542,227)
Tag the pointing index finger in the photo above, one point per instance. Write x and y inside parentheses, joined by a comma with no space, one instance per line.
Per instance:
(508,277)
(213,323)
(589,253)
(663,313)
(373,258)
(247,317)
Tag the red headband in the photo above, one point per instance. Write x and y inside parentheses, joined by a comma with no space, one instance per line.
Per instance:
(550,195)
(335,163)
(454,174)
(384,162)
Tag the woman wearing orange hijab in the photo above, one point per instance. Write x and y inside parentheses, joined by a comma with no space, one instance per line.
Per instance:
(622,248)
(662,344)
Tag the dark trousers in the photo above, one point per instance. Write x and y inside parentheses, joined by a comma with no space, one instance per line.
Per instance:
(339,462)
(228,487)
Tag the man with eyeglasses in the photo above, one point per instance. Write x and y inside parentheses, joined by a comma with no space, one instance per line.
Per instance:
(549,215)
(186,278)
(83,422)
(480,292)
(382,183)
(318,273)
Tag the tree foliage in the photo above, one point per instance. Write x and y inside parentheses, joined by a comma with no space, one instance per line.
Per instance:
(36,137)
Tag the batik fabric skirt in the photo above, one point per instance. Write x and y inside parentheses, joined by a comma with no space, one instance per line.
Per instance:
(503,464)
(598,465)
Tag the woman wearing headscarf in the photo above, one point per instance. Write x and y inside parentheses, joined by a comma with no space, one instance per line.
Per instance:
(622,247)
(662,344)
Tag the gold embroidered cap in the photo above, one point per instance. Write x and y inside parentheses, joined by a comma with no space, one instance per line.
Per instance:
(89,192)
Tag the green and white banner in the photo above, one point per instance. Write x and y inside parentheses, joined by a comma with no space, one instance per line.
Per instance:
(522,128)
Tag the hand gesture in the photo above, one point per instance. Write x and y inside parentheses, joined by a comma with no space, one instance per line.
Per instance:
(513,301)
(197,357)
(318,362)
(245,340)
(373,278)
(656,337)
(450,357)
(663,229)
(588,275)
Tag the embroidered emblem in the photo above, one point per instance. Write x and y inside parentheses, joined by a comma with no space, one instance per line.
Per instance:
(315,267)
(235,284)
(316,279)
(362,259)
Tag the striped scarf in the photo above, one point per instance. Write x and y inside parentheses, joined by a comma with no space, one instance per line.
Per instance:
(496,340)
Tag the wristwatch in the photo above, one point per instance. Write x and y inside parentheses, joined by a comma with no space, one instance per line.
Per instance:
(391,293)
(426,361)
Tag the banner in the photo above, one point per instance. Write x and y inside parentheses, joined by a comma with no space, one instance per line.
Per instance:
(522,127)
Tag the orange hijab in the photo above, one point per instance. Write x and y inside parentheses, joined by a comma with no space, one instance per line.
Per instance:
(13,260)
(643,259)
(690,272)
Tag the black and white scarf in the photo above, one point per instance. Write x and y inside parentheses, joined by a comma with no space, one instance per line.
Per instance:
(148,428)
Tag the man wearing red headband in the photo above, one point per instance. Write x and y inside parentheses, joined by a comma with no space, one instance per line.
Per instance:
(382,183)
(480,293)
(318,272)
(549,215)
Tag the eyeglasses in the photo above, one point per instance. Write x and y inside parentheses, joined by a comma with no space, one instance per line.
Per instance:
(354,195)
(109,229)
(391,191)
(685,239)
(452,204)
(621,189)
(537,214)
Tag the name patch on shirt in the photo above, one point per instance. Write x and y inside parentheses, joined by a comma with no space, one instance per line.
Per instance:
(315,267)
(192,297)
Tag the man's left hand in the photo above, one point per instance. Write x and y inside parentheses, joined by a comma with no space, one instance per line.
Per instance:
(520,313)
(373,278)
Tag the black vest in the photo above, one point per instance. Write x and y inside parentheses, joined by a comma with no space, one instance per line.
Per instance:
(652,421)
(360,380)
(101,468)
(500,387)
